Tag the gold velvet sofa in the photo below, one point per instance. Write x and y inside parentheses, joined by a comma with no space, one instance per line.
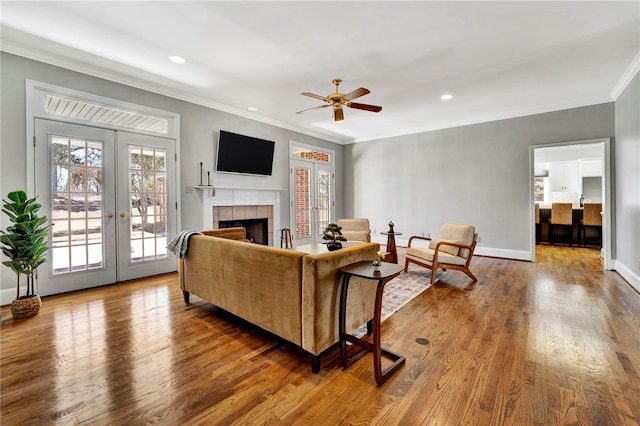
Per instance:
(289,293)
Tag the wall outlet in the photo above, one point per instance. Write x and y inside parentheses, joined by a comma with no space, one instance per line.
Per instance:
(428,234)
(479,238)
(422,234)
(188,189)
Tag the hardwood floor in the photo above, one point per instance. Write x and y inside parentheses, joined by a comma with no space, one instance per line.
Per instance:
(548,343)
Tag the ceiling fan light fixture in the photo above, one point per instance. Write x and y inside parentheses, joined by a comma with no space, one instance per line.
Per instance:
(337,100)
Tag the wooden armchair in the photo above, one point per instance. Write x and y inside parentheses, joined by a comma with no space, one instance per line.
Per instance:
(452,249)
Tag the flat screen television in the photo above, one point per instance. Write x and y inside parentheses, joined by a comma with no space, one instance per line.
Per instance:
(244,154)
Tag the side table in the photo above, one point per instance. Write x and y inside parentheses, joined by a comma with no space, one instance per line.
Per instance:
(365,270)
(391,244)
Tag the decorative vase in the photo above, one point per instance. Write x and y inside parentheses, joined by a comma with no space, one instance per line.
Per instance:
(334,246)
(26,307)
(376,265)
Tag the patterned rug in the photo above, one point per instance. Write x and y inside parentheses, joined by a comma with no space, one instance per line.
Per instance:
(401,290)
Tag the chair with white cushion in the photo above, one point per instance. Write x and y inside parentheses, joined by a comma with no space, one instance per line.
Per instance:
(452,249)
(355,229)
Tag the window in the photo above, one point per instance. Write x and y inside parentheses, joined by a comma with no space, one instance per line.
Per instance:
(541,189)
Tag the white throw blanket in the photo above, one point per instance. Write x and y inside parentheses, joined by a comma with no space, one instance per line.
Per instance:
(180,243)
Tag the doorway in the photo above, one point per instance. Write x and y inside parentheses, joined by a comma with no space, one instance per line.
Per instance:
(572,172)
(111,201)
(312,193)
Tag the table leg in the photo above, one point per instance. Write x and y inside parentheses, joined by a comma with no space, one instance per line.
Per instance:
(391,247)
(398,361)
(346,360)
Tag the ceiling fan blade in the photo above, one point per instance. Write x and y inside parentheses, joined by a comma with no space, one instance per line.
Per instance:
(356,94)
(311,109)
(312,95)
(372,108)
(338,114)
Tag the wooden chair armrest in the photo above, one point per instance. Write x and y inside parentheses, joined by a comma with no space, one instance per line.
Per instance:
(417,237)
(471,247)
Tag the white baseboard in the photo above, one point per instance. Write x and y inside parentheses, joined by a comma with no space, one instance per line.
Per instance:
(7,295)
(480,251)
(631,277)
(505,254)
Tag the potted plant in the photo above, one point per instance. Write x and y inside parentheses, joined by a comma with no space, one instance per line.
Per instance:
(24,243)
(333,234)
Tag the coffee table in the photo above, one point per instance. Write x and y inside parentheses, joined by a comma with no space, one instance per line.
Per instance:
(365,269)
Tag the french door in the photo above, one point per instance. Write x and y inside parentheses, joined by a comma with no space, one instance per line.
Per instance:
(111,201)
(312,200)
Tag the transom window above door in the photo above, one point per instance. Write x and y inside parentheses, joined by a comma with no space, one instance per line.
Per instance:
(85,111)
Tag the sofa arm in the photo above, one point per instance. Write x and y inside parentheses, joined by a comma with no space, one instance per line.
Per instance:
(321,282)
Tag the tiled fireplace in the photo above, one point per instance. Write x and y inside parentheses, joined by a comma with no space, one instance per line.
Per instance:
(258,221)
(254,209)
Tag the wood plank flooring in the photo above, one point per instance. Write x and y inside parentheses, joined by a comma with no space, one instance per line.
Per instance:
(556,342)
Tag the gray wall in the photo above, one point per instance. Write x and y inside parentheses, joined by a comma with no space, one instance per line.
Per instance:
(476,174)
(199,129)
(627,175)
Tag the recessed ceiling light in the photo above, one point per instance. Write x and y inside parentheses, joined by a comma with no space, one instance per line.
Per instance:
(446,96)
(177,59)
(252,108)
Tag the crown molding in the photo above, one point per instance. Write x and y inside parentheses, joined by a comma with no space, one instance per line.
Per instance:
(56,60)
(632,70)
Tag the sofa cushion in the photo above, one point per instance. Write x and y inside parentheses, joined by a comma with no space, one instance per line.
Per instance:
(425,255)
(356,229)
(460,232)
(453,250)
(356,235)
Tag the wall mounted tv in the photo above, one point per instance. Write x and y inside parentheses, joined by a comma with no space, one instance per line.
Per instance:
(244,154)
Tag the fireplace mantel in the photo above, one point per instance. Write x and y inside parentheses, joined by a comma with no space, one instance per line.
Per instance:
(239,197)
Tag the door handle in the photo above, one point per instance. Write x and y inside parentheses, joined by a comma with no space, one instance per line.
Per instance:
(109,215)
(123,215)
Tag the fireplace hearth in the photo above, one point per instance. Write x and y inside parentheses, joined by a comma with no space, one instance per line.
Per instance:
(256,219)
(257,229)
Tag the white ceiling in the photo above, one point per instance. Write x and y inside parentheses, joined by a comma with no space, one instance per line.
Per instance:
(498,59)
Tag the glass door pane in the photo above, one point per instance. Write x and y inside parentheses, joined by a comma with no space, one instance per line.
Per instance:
(148,194)
(312,200)
(146,204)
(302,202)
(324,198)
(76,204)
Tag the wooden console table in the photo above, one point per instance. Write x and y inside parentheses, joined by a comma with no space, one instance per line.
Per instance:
(365,270)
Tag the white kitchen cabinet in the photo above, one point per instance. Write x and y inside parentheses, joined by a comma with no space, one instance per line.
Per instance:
(564,177)
(591,167)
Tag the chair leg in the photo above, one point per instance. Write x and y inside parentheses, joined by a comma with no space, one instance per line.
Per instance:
(434,268)
(470,274)
(406,264)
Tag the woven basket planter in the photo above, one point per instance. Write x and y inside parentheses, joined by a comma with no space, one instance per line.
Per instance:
(25,308)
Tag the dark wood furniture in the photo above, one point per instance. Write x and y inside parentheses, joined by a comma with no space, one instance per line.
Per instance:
(365,270)
(543,230)
(392,251)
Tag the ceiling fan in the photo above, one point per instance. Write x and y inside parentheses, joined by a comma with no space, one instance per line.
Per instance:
(337,100)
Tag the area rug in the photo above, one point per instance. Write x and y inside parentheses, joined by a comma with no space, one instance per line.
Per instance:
(401,290)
